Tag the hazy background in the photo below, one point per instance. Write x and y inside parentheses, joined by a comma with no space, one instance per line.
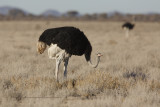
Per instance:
(86,6)
(129,71)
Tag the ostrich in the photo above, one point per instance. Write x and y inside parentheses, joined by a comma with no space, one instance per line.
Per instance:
(127,27)
(64,42)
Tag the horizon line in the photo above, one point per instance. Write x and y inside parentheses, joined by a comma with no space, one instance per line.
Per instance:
(113,11)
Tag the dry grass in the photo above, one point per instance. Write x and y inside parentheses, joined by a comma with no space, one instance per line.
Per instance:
(128,75)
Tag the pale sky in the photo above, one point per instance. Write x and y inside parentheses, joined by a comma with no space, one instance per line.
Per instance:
(85,6)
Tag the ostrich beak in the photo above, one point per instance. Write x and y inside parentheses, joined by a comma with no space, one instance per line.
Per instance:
(99,54)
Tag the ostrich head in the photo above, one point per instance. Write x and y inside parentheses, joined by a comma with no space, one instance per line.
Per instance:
(41,46)
(97,62)
(99,55)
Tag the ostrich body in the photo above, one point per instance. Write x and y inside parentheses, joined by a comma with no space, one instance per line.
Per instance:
(127,27)
(64,42)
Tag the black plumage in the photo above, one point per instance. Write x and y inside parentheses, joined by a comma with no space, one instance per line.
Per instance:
(71,39)
(128,25)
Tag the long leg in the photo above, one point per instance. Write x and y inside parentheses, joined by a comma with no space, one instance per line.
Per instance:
(127,33)
(58,62)
(65,67)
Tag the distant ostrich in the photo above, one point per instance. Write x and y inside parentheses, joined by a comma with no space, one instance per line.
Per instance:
(64,42)
(127,27)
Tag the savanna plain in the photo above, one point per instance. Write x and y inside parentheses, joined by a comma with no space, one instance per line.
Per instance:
(128,74)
